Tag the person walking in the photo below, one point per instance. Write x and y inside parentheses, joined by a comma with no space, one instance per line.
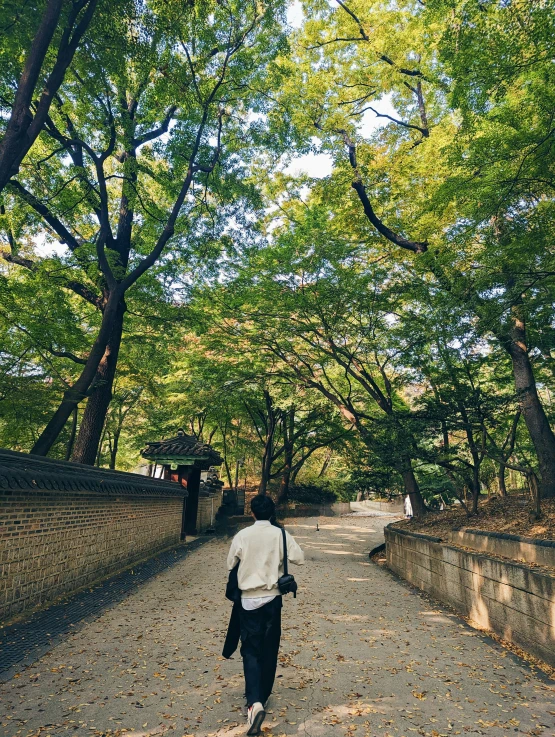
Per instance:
(259,554)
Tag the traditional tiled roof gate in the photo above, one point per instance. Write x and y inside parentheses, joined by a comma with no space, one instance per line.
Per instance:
(182,459)
(183,450)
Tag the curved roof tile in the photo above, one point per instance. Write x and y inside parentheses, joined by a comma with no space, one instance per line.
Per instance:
(182,446)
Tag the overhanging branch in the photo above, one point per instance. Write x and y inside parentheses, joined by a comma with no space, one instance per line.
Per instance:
(358,185)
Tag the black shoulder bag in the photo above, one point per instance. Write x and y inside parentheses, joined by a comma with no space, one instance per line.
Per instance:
(286,583)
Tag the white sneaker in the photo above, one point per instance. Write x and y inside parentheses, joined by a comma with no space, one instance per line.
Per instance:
(255,717)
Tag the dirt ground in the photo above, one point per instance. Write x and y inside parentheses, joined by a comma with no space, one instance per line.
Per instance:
(363,655)
(510,514)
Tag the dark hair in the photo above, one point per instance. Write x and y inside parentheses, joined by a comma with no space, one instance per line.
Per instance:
(263,507)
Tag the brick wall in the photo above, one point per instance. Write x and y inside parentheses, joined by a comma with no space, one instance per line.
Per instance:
(62,526)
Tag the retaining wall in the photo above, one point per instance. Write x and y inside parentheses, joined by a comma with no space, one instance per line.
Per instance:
(513,600)
(393,507)
(525,549)
(64,525)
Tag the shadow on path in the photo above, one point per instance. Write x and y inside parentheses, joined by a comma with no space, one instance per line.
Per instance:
(23,642)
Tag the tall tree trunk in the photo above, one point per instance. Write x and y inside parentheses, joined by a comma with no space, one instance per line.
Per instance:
(530,404)
(507,451)
(226,464)
(94,416)
(475,487)
(535,493)
(73,396)
(20,118)
(293,477)
(502,488)
(283,494)
(237,463)
(23,128)
(101,446)
(71,441)
(326,463)
(114,448)
(266,465)
(288,435)
(412,488)
(268,444)
(228,473)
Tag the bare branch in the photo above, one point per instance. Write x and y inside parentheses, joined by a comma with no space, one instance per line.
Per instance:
(67,354)
(169,228)
(19,260)
(365,37)
(356,20)
(83,291)
(425,132)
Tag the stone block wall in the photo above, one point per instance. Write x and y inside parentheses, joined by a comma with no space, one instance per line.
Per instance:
(393,507)
(63,526)
(207,510)
(514,600)
(525,549)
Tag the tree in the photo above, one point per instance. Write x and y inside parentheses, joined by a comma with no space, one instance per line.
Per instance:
(47,58)
(401,305)
(502,186)
(304,302)
(124,198)
(466,160)
(230,398)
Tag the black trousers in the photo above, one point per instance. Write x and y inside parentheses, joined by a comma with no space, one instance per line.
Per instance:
(260,636)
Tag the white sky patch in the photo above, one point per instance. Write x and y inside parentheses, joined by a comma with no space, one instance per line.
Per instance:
(46,248)
(295,14)
(315,165)
(319,165)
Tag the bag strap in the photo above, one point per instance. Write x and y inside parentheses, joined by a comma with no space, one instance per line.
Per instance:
(285,572)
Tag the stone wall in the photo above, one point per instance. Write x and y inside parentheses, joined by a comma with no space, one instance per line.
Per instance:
(208,507)
(525,549)
(514,600)
(63,526)
(393,507)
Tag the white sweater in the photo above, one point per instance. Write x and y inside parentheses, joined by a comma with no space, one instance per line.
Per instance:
(260,550)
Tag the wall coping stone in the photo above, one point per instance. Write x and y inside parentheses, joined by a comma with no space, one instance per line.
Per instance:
(529,568)
(23,471)
(473,531)
(509,536)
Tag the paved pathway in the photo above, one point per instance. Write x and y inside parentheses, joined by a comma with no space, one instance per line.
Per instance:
(362,656)
(24,642)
